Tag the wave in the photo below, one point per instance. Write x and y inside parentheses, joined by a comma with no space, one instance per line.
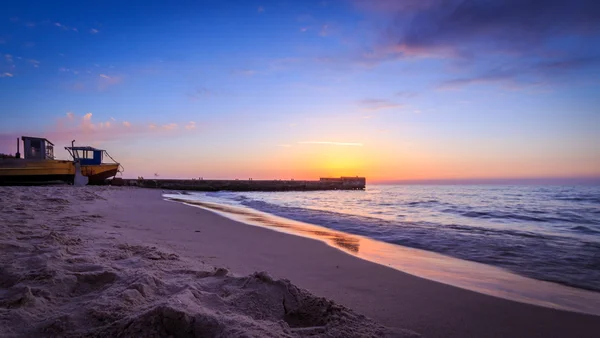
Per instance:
(560,259)
(533,232)
(538,215)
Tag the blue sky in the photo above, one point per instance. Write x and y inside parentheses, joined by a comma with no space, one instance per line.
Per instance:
(390,89)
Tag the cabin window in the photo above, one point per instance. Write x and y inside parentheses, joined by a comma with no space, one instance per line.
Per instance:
(35,146)
(49,151)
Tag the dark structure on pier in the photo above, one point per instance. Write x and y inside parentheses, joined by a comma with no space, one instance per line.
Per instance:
(341,183)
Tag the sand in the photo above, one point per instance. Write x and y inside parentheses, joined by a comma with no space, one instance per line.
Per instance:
(107,261)
(65,270)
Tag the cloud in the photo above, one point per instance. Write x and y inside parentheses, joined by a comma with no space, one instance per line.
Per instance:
(170,126)
(324,30)
(152,126)
(8,58)
(285,145)
(344,144)
(472,36)
(200,93)
(260,10)
(246,72)
(107,81)
(406,94)
(6,74)
(519,74)
(64,27)
(494,25)
(190,125)
(378,104)
(94,31)
(86,130)
(34,63)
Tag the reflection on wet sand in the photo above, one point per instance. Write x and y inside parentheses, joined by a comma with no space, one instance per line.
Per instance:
(465,274)
(337,239)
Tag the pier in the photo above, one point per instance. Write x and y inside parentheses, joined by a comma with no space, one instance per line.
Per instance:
(340,183)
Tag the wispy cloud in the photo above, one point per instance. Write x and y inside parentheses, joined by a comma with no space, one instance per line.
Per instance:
(190,125)
(260,10)
(378,104)
(106,81)
(246,72)
(126,124)
(94,31)
(406,94)
(170,126)
(64,27)
(6,74)
(200,93)
(344,144)
(285,145)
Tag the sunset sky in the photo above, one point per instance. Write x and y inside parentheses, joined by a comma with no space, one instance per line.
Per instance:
(388,89)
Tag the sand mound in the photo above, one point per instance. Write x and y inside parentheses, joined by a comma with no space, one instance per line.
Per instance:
(59,279)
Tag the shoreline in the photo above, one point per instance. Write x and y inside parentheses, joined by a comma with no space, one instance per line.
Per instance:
(122,238)
(472,276)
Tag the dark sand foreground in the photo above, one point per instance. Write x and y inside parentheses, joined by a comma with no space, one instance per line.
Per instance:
(104,261)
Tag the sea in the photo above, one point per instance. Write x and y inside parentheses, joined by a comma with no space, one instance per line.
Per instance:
(547,233)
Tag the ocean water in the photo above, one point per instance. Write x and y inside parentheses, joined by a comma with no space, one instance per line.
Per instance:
(549,233)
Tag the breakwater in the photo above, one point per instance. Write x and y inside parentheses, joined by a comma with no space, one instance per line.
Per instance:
(341,183)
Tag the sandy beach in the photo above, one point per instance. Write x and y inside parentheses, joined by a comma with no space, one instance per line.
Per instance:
(108,261)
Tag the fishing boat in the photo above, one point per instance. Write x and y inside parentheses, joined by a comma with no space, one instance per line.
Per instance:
(92,163)
(39,165)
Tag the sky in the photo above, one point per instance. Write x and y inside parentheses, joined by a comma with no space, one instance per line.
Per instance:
(387,89)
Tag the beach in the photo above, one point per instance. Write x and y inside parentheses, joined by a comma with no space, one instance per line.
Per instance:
(109,261)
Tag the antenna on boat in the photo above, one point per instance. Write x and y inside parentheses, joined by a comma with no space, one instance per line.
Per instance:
(18,154)
(72,151)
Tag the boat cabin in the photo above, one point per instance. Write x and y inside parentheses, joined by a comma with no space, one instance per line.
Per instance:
(37,148)
(86,155)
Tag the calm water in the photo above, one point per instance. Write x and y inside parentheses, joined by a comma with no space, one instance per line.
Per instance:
(545,232)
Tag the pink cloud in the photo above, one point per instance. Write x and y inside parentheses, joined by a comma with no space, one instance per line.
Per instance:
(170,126)
(191,125)
(87,131)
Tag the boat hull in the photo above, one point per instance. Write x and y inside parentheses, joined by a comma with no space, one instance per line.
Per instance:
(19,171)
(98,173)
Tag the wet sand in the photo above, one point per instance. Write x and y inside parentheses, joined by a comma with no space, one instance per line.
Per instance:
(169,250)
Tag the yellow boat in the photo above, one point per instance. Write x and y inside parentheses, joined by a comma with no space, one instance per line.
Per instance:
(92,166)
(38,164)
